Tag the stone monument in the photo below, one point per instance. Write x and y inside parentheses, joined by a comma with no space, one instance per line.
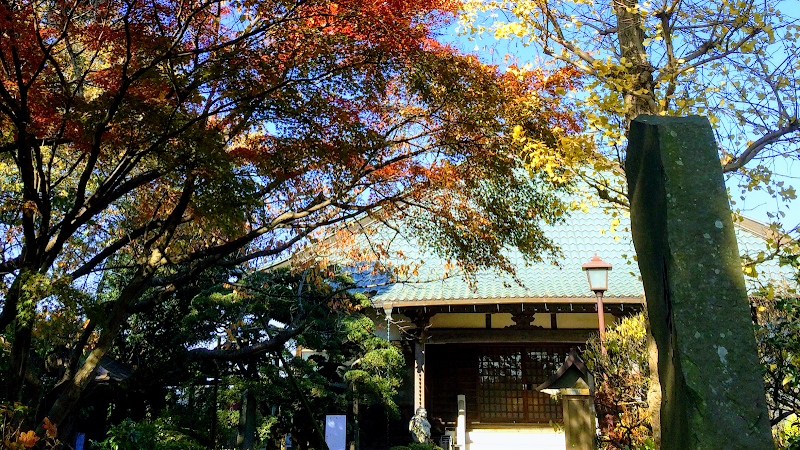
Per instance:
(712,391)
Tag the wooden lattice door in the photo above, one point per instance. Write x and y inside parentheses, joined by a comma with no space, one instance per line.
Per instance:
(507,378)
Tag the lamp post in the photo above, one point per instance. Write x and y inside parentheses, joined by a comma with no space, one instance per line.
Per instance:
(597,274)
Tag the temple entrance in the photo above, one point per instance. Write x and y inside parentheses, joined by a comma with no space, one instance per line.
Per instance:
(497,380)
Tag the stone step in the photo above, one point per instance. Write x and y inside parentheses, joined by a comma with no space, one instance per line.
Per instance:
(515,439)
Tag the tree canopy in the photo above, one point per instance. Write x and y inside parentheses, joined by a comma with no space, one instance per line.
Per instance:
(733,61)
(177,382)
(150,142)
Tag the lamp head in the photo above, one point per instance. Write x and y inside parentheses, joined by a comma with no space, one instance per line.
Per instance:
(597,273)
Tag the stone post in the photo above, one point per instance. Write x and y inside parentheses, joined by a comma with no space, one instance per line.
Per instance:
(579,418)
(461,423)
(712,391)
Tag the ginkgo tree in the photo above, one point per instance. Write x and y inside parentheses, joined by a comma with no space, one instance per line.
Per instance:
(735,61)
(153,141)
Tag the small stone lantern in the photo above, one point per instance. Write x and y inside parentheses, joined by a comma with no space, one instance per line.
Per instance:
(575,385)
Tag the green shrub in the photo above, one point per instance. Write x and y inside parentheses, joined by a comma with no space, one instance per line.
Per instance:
(787,434)
(417,446)
(622,379)
(160,434)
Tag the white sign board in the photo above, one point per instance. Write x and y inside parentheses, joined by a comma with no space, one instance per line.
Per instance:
(336,431)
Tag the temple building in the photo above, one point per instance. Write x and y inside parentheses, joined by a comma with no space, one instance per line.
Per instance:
(477,346)
(490,339)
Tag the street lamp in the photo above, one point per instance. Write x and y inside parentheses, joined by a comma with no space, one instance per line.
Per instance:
(597,274)
(387,309)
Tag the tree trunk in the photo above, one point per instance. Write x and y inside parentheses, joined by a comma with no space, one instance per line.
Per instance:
(74,387)
(20,352)
(21,329)
(214,401)
(320,435)
(631,47)
(246,433)
(356,431)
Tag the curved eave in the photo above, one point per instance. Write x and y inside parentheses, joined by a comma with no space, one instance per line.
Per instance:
(508,301)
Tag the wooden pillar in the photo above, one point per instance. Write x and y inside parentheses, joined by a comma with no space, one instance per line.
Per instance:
(246,433)
(421,320)
(419,375)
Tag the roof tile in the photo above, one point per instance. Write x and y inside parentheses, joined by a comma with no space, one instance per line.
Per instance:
(579,237)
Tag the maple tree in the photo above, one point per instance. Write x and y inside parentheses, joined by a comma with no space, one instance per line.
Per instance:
(153,141)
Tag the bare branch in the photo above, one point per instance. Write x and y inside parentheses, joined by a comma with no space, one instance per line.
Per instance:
(756,147)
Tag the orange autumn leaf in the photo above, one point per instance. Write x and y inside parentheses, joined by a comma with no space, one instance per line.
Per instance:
(28,439)
(50,428)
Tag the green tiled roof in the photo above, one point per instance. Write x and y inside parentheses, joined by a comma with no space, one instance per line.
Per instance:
(579,237)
